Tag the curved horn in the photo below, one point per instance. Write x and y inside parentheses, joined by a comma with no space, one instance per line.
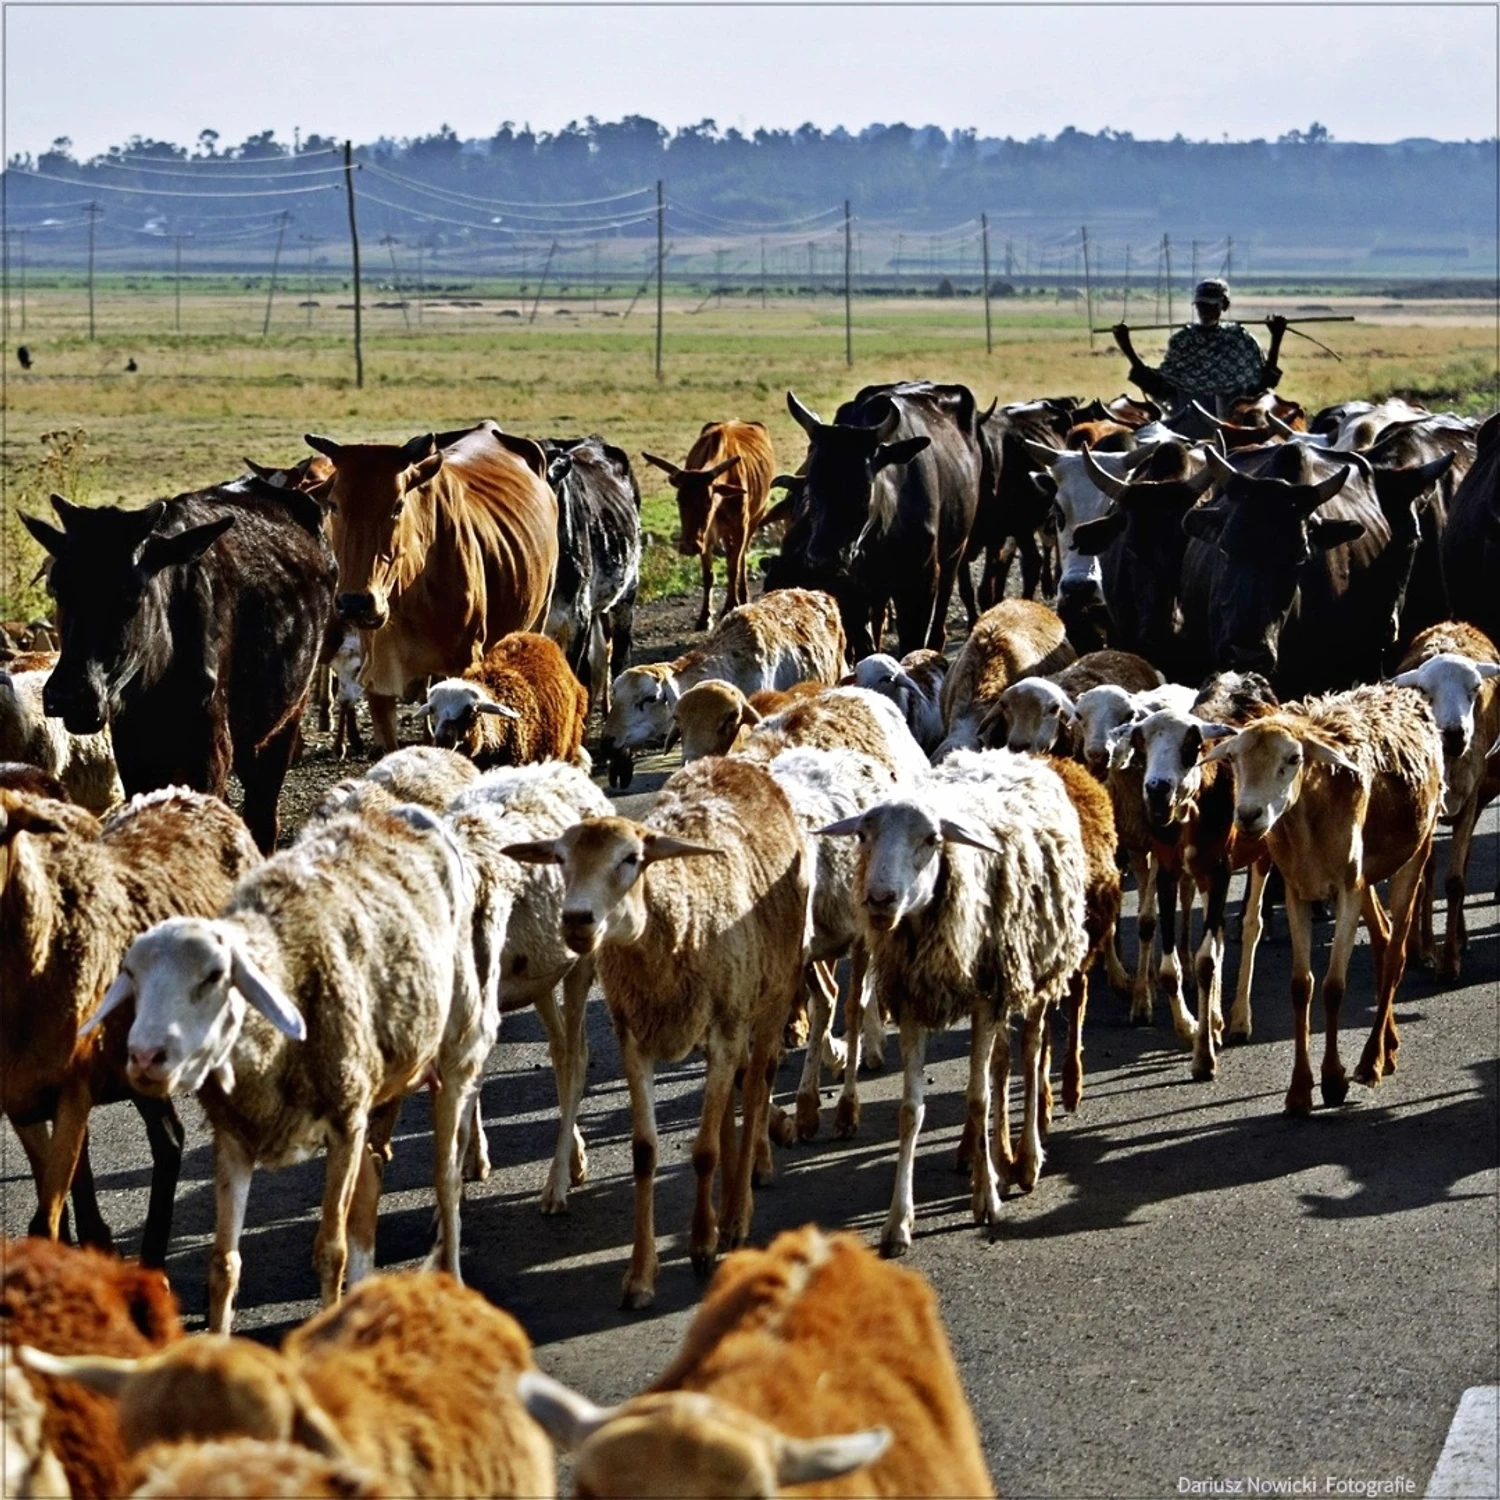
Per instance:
(1326,489)
(1280,428)
(1041,454)
(1219,466)
(324,445)
(808,421)
(980,418)
(1102,478)
(887,429)
(1209,417)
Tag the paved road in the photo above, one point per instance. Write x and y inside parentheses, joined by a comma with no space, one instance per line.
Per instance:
(1198,1289)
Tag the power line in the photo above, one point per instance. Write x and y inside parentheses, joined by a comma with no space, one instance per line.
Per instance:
(498,202)
(110,187)
(121,166)
(750,226)
(227,161)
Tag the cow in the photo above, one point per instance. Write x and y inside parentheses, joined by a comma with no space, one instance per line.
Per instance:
(444,544)
(1471,539)
(892,488)
(718,511)
(598,558)
(1297,568)
(1011,509)
(191,627)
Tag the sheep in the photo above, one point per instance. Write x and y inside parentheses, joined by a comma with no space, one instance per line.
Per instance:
(74,892)
(19,776)
(841,719)
(1101,710)
(243,1469)
(358,941)
(823,786)
(29,1469)
(970,889)
(1345,790)
(424,774)
(84,763)
(786,637)
(81,1301)
(519,949)
(713,717)
(347,663)
(412,1378)
(1039,713)
(1017,638)
(1454,666)
(914,684)
(518,705)
(693,955)
(810,1337)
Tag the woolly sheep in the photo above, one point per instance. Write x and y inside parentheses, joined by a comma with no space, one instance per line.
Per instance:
(424,774)
(84,763)
(338,977)
(713,717)
(243,1469)
(914,684)
(843,718)
(29,1469)
(1039,714)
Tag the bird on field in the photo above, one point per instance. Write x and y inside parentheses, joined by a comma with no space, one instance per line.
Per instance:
(24,355)
(130,366)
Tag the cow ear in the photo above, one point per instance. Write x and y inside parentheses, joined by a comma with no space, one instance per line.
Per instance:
(729,491)
(186,546)
(669,469)
(48,535)
(1204,523)
(1327,534)
(559,469)
(324,445)
(897,453)
(424,470)
(1093,537)
(67,511)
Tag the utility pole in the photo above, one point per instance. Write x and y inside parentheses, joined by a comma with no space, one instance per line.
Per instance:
(1229,257)
(359,357)
(309,240)
(1166,250)
(719,255)
(1088,282)
(594,307)
(1125,304)
(762,273)
(812,268)
(22,233)
(177,269)
(661,257)
(900,243)
(275,263)
(93,212)
(984,240)
(848,289)
(542,282)
(389,241)
(420,287)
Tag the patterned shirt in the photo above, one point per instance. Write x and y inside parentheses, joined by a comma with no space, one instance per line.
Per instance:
(1218,360)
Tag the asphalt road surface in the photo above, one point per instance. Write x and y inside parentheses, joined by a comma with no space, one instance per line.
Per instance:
(1199,1289)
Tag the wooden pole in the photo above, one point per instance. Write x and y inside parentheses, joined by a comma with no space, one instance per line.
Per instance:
(1088,283)
(848,285)
(542,282)
(93,213)
(1229,257)
(359,355)
(23,280)
(420,274)
(762,273)
(265,327)
(1125,303)
(177,311)
(310,240)
(389,241)
(1166,250)
(661,258)
(984,232)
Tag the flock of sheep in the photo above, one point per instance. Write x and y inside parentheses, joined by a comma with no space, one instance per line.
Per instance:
(956,829)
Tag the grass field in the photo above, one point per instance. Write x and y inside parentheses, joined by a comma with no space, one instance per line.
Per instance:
(201,399)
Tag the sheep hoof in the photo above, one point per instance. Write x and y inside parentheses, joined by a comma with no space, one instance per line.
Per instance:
(1335,1088)
(871,1059)
(795,1032)
(1072,1098)
(638,1295)
(554,1201)
(578,1163)
(1299,1102)
(1026,1174)
(1204,1069)
(782,1128)
(808,1116)
(1368,1074)
(846,1118)
(1237,1036)
(703,1262)
(895,1243)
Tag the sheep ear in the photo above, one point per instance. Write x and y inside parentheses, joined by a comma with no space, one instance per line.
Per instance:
(121,991)
(1414,679)
(1216,731)
(844,828)
(808,1460)
(98,1372)
(1486,669)
(1314,750)
(976,838)
(674,733)
(663,846)
(499,710)
(313,1428)
(568,1418)
(541,852)
(259,992)
(1223,750)
(1120,743)
(750,717)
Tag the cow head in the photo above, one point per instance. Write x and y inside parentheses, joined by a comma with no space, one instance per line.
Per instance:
(378,525)
(698,497)
(1264,528)
(104,565)
(845,465)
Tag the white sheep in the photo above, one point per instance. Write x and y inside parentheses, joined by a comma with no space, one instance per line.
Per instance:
(846,718)
(970,900)
(83,763)
(338,978)
(914,684)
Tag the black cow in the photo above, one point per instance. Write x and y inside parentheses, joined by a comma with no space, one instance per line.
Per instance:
(1141,544)
(1471,540)
(892,486)
(191,627)
(1298,567)
(598,558)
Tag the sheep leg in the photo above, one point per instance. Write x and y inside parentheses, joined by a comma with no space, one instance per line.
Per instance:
(364,1209)
(1299,925)
(575,1025)
(846,1116)
(92,1230)
(1456,938)
(986,1184)
(1426,943)
(1115,971)
(872,1021)
(756,1101)
(1143,867)
(1335,1084)
(822,989)
(34,1141)
(69,1132)
(1210,974)
(640,1077)
(706,561)
(1379,1056)
(718,1096)
(1170,890)
(346,1149)
(903,1214)
(565,1041)
(1044,1069)
(1029,1157)
(449,1104)
(232,1168)
(383,720)
(1250,931)
(1077,1006)
(165,1135)
(473,1144)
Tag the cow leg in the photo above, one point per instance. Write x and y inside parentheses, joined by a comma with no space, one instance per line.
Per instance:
(165,1134)
(966,591)
(383,720)
(1250,931)
(706,563)
(937,631)
(1210,975)
(1455,940)
(262,773)
(1299,925)
(997,563)
(1335,1084)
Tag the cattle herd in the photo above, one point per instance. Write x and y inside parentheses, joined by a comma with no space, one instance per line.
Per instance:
(1270,649)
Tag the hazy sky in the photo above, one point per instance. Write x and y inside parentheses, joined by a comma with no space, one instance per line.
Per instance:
(102,73)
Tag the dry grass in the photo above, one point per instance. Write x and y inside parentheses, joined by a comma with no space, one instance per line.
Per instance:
(204,398)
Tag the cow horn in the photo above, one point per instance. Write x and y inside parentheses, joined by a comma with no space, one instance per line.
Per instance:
(324,445)
(808,421)
(1209,417)
(418,448)
(1280,428)
(1102,478)
(887,429)
(1041,454)
(723,468)
(787,481)
(1219,466)
(982,417)
(1326,489)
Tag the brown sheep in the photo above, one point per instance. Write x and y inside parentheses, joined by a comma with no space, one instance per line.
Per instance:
(1039,714)
(74,893)
(411,1377)
(519,705)
(68,1301)
(841,719)
(812,1337)
(1017,638)
(29,1469)
(243,1469)
(714,717)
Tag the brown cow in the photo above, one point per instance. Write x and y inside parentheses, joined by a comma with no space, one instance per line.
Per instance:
(716,511)
(444,545)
